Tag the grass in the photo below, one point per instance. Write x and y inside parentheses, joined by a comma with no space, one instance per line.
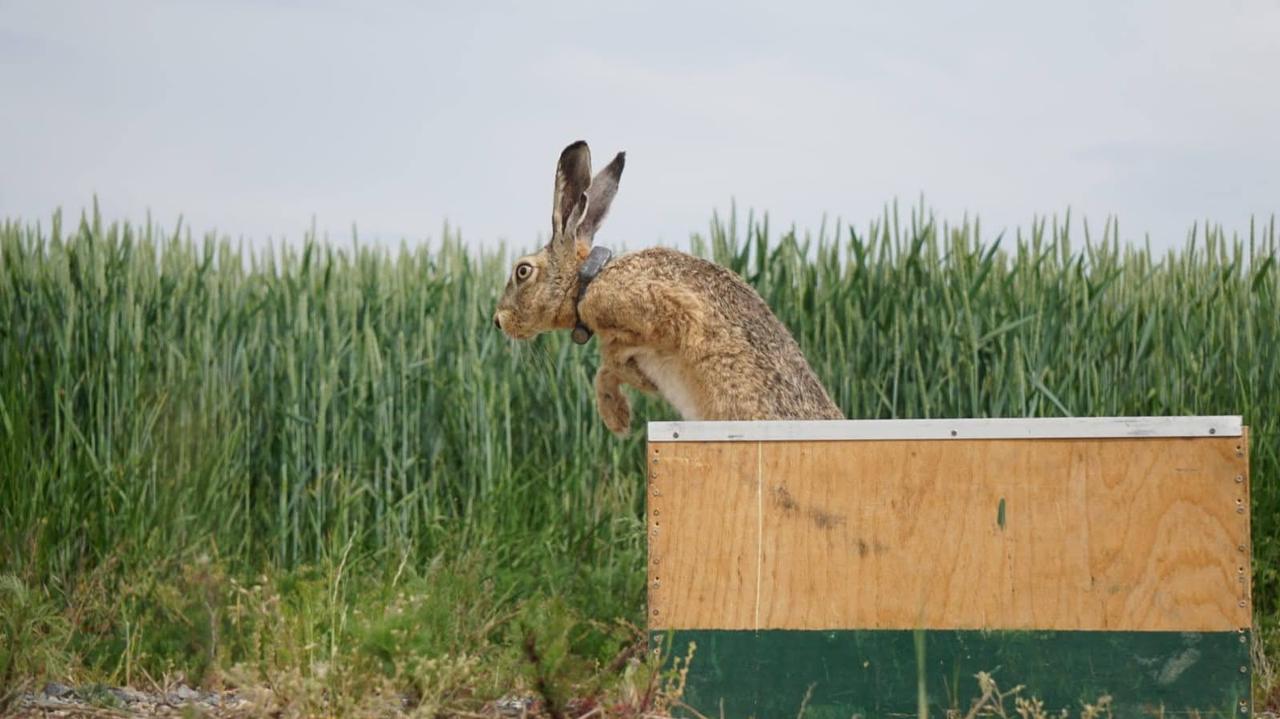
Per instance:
(322,471)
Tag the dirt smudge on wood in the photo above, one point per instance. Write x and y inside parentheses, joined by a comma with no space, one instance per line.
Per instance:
(821,518)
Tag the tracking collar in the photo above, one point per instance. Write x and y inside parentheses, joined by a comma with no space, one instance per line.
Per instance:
(595,262)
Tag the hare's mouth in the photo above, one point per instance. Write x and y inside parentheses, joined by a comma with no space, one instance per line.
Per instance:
(516,333)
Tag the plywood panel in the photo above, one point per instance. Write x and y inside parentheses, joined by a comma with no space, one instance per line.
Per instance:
(1114,534)
(704,534)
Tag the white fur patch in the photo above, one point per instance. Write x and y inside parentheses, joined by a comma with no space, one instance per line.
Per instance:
(665,372)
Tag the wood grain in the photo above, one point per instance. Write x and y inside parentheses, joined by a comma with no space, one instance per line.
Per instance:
(1087,534)
(700,555)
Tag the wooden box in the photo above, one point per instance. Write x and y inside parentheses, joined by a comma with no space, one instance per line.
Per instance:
(874,568)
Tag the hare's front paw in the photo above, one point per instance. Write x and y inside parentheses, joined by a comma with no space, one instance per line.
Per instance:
(614,408)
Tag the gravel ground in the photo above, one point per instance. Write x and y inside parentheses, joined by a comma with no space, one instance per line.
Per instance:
(60,700)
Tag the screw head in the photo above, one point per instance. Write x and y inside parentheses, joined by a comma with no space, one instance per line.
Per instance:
(1239,479)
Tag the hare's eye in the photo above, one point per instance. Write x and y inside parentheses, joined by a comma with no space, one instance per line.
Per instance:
(523,270)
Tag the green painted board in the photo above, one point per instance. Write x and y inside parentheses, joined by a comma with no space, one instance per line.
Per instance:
(874,673)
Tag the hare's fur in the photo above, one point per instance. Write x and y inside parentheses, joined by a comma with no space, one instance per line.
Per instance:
(667,322)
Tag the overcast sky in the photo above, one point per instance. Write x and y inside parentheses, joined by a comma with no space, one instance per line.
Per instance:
(250,118)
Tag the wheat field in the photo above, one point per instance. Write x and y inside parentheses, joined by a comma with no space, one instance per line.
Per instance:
(189,428)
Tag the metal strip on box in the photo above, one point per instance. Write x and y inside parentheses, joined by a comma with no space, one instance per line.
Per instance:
(898,429)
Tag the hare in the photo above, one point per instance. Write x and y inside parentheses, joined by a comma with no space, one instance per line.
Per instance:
(669,323)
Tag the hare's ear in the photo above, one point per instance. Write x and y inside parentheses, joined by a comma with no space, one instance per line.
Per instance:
(600,197)
(573,176)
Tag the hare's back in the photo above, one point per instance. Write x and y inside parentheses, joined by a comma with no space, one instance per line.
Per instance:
(729,341)
(727,297)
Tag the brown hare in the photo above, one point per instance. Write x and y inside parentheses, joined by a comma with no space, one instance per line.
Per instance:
(668,322)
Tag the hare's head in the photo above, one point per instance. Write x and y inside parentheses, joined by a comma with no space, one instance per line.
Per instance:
(542,288)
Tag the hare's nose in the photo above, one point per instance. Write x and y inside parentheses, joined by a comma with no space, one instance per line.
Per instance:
(497,322)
